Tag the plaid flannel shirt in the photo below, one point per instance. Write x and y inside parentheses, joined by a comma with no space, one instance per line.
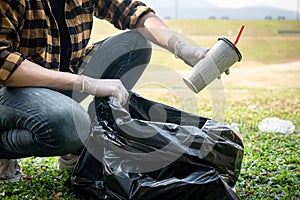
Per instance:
(28,29)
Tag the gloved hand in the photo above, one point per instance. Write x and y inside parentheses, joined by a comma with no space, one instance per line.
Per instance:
(189,54)
(102,88)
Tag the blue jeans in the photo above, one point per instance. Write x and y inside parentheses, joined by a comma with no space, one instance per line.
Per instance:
(43,122)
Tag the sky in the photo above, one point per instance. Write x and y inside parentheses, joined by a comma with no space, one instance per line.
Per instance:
(285,4)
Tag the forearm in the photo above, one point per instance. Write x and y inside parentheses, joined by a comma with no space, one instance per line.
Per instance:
(29,74)
(156,31)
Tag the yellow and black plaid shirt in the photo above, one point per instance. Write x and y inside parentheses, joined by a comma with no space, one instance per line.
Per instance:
(28,29)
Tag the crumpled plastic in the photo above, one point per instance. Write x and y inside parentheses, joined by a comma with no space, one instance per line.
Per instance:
(148,150)
(276,125)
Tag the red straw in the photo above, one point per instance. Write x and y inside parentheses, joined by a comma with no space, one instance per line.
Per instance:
(239,35)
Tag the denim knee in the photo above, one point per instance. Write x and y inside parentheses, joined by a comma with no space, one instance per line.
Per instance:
(70,128)
(41,122)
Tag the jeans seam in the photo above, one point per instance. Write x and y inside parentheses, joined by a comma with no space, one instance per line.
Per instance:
(122,67)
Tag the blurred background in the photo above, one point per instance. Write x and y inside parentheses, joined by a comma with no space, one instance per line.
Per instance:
(230,9)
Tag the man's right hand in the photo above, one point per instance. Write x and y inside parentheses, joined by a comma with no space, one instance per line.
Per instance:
(102,88)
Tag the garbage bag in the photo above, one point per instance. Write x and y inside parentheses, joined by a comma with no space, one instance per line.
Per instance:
(148,150)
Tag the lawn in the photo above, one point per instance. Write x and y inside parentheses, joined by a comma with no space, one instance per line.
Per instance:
(265,84)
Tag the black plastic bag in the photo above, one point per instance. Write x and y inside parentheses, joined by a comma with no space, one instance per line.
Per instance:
(149,150)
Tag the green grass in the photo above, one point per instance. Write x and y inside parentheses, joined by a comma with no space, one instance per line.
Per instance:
(217,27)
(266,51)
(223,27)
(44,181)
(271,162)
(260,41)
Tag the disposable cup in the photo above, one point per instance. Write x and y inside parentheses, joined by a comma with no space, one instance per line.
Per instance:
(218,59)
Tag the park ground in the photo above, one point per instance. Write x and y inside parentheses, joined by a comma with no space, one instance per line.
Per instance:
(264,84)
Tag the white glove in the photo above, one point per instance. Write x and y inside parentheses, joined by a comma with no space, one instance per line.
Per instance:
(102,88)
(189,54)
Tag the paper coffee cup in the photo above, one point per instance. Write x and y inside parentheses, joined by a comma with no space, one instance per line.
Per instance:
(218,59)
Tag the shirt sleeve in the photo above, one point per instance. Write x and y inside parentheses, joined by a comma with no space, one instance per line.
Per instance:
(123,14)
(10,22)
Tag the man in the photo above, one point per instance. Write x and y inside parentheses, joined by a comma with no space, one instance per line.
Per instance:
(44,61)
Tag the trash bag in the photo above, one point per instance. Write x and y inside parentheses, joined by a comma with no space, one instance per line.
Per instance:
(148,150)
